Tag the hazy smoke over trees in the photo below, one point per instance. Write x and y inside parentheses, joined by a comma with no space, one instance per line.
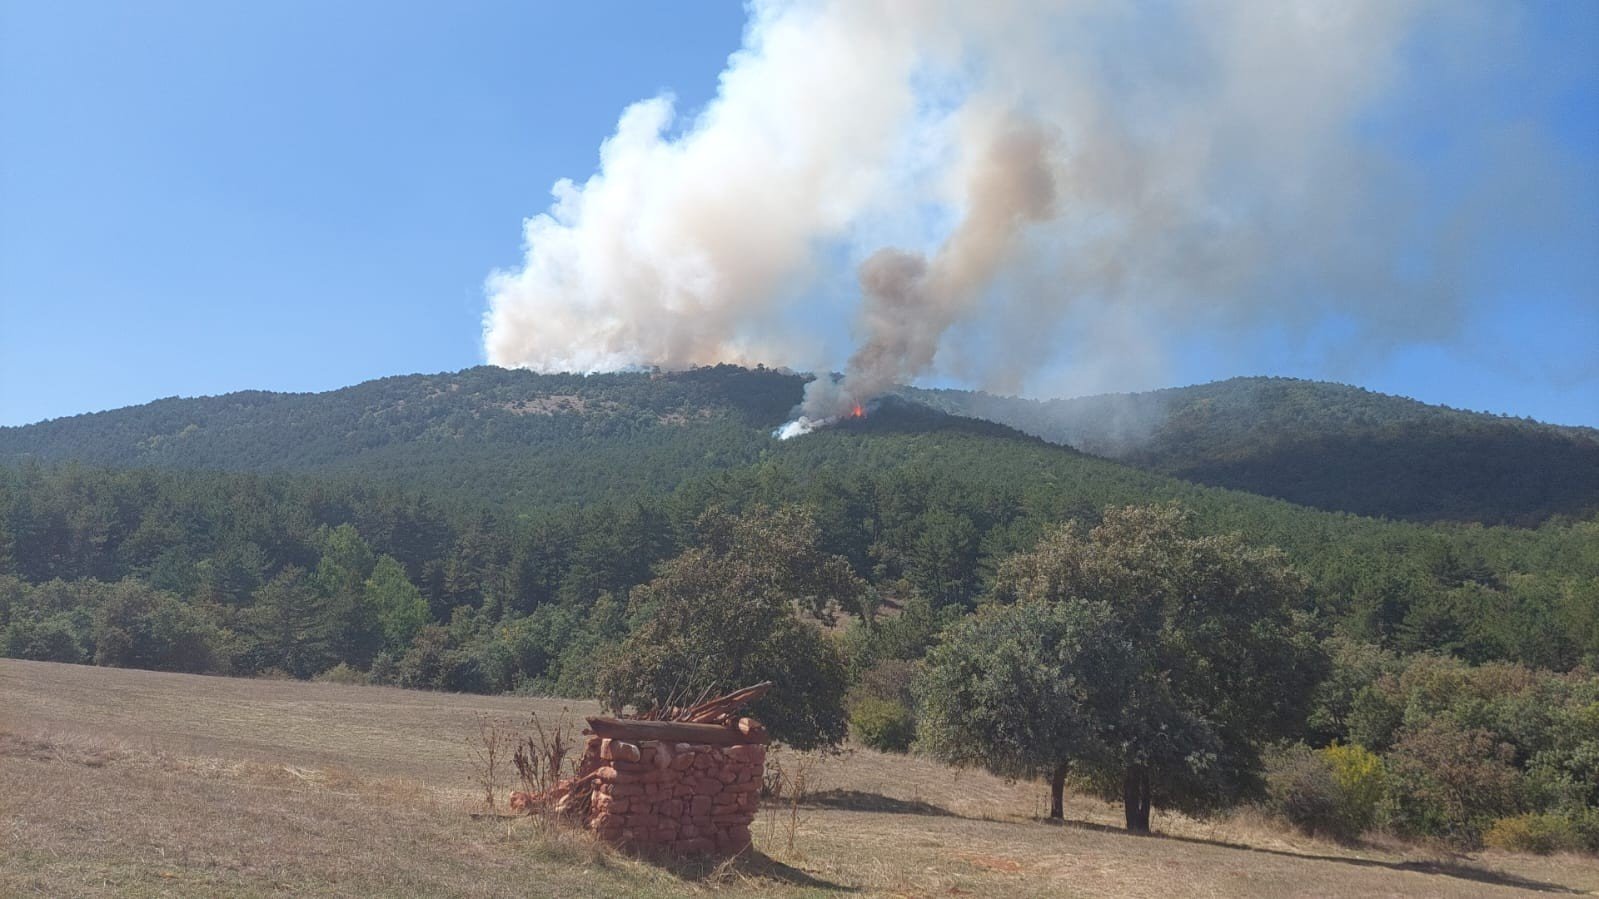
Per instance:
(1029,187)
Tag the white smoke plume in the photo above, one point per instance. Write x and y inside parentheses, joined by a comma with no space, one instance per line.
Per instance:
(1033,194)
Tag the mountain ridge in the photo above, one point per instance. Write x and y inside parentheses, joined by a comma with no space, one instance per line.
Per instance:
(552,438)
(1321,444)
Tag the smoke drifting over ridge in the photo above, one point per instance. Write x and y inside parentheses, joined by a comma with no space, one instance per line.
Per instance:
(910,301)
(1031,193)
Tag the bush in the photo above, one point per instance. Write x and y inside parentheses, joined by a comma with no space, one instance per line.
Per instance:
(53,639)
(882,724)
(432,663)
(1453,782)
(343,674)
(890,679)
(882,706)
(1362,783)
(1540,833)
(1586,823)
(1303,788)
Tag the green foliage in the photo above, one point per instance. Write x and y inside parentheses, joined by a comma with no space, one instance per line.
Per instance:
(725,613)
(1211,657)
(1022,690)
(1467,744)
(882,724)
(287,628)
(1301,787)
(882,705)
(434,661)
(918,502)
(897,637)
(491,434)
(494,530)
(138,627)
(399,607)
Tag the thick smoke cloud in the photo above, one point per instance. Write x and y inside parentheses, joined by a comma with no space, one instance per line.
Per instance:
(1034,195)
(909,301)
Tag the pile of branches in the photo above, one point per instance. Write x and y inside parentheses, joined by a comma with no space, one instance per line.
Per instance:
(719,710)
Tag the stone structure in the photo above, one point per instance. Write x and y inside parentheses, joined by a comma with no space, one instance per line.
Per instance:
(685,781)
(684,798)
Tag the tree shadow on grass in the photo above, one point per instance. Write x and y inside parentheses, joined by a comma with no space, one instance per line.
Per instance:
(1457,870)
(859,801)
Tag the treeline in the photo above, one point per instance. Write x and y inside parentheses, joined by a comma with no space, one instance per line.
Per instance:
(924,516)
(1456,663)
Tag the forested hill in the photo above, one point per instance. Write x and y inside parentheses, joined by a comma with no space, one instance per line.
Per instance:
(1324,445)
(485,434)
(518,439)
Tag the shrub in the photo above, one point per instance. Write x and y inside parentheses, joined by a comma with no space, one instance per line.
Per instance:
(1362,783)
(882,707)
(1540,833)
(432,663)
(1586,822)
(343,674)
(1303,787)
(1452,782)
(53,639)
(882,724)
(890,679)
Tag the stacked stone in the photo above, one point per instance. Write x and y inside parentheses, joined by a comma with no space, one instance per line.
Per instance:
(684,798)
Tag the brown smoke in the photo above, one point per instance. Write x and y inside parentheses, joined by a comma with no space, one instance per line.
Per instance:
(909,301)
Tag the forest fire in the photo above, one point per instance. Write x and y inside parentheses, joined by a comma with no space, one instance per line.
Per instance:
(848,409)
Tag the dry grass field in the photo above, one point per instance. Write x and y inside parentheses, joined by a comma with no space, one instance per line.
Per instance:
(134,783)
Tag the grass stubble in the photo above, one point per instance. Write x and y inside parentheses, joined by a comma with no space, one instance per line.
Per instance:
(133,783)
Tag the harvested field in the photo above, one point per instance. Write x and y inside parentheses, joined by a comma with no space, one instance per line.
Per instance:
(116,782)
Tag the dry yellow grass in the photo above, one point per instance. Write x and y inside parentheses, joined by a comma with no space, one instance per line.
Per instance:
(139,783)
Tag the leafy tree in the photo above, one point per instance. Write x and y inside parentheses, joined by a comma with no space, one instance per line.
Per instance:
(434,662)
(725,613)
(395,602)
(1214,663)
(139,627)
(341,574)
(1024,690)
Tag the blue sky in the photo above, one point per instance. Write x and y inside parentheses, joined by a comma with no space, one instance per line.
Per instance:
(197,198)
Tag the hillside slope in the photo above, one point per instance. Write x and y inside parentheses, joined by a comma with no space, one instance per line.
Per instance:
(1325,445)
(487,434)
(518,440)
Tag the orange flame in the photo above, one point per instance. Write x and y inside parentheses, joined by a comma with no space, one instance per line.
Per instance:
(857,412)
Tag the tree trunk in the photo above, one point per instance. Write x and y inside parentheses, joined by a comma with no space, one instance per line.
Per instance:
(1135,798)
(1057,793)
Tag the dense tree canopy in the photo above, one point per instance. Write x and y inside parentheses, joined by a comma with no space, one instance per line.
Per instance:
(725,614)
(1156,662)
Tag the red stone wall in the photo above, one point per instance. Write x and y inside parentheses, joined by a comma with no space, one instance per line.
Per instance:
(685,798)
